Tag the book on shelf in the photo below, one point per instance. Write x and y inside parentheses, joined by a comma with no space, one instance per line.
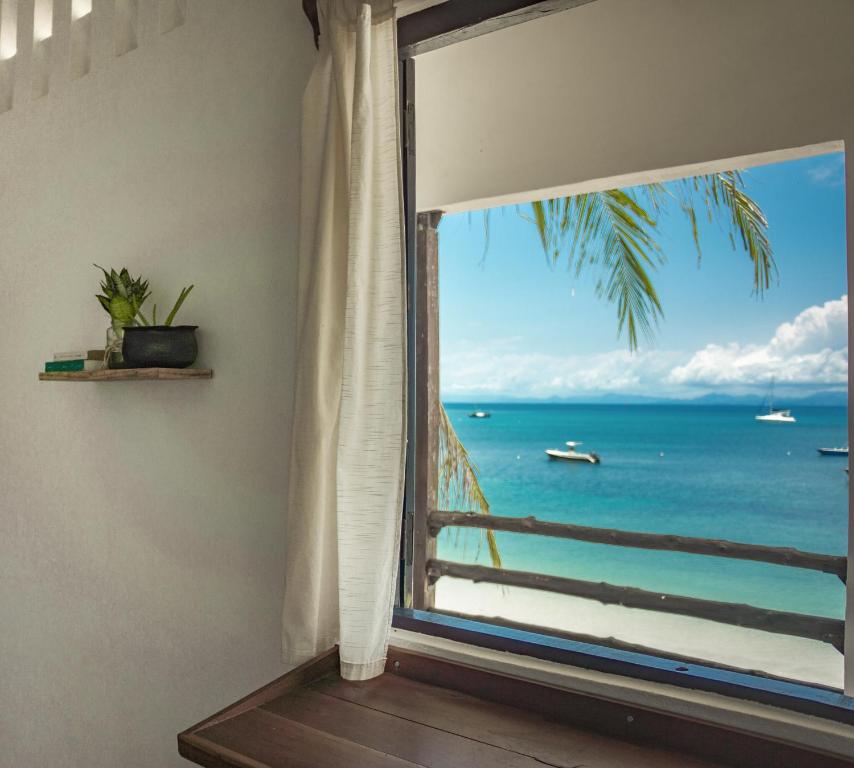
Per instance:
(66,366)
(80,354)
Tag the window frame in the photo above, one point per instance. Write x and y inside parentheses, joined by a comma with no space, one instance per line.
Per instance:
(451,22)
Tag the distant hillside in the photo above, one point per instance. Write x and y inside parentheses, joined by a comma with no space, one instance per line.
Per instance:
(824,398)
(828,397)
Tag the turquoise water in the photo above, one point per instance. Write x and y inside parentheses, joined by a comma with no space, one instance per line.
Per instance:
(722,475)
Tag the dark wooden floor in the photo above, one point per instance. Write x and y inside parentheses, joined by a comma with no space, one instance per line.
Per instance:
(313,719)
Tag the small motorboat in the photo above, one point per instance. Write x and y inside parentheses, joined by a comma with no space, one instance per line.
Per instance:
(480,415)
(833,451)
(571,454)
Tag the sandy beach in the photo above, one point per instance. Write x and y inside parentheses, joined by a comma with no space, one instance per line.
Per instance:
(788,657)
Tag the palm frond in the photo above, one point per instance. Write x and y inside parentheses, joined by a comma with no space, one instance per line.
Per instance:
(612,231)
(725,201)
(748,221)
(550,219)
(629,254)
(656,194)
(459,488)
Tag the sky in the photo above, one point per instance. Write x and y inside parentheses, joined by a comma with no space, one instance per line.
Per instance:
(512,326)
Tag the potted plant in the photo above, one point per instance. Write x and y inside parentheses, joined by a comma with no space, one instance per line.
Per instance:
(149,345)
(122,296)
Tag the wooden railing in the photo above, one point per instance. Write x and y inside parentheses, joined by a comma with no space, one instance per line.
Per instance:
(821,628)
(714,547)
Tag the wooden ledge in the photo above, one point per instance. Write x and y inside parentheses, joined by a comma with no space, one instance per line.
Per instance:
(130,374)
(428,713)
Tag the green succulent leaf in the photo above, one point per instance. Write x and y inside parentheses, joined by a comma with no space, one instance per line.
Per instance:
(122,310)
(123,294)
(180,300)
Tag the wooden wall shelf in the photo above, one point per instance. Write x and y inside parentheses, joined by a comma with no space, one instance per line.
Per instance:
(130,374)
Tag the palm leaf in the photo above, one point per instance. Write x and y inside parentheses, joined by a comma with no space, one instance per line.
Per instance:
(459,488)
(724,197)
(612,232)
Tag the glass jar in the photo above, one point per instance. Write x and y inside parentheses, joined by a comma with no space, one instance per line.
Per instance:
(113,351)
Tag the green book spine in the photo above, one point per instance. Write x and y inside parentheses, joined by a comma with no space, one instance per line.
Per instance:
(56,366)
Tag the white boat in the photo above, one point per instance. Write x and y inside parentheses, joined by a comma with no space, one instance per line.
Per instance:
(781,417)
(571,454)
(777,415)
(480,415)
(833,451)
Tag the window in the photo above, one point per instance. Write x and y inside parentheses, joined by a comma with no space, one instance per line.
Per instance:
(635,488)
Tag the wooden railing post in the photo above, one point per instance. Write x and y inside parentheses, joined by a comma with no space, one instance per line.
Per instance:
(427,402)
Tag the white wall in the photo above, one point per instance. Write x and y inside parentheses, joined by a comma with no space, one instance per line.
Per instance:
(141,524)
(619,86)
(622,87)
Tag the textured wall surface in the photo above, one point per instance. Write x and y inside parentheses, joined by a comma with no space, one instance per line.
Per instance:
(141,523)
(618,87)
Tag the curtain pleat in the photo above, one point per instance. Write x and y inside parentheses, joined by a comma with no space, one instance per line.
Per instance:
(346,471)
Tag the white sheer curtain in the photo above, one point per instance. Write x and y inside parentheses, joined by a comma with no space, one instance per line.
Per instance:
(346,479)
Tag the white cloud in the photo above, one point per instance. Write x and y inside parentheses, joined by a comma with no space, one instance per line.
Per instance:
(819,327)
(811,349)
(830,173)
(494,369)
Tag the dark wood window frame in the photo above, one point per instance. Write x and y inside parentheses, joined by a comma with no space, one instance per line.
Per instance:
(444,24)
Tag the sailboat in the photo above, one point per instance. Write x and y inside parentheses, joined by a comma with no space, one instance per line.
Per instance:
(777,416)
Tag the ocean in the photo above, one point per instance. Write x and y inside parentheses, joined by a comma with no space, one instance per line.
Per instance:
(710,471)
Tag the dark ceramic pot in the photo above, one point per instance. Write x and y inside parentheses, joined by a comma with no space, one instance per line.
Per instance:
(160,346)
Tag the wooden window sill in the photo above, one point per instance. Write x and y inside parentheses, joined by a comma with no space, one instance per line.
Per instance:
(435,713)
